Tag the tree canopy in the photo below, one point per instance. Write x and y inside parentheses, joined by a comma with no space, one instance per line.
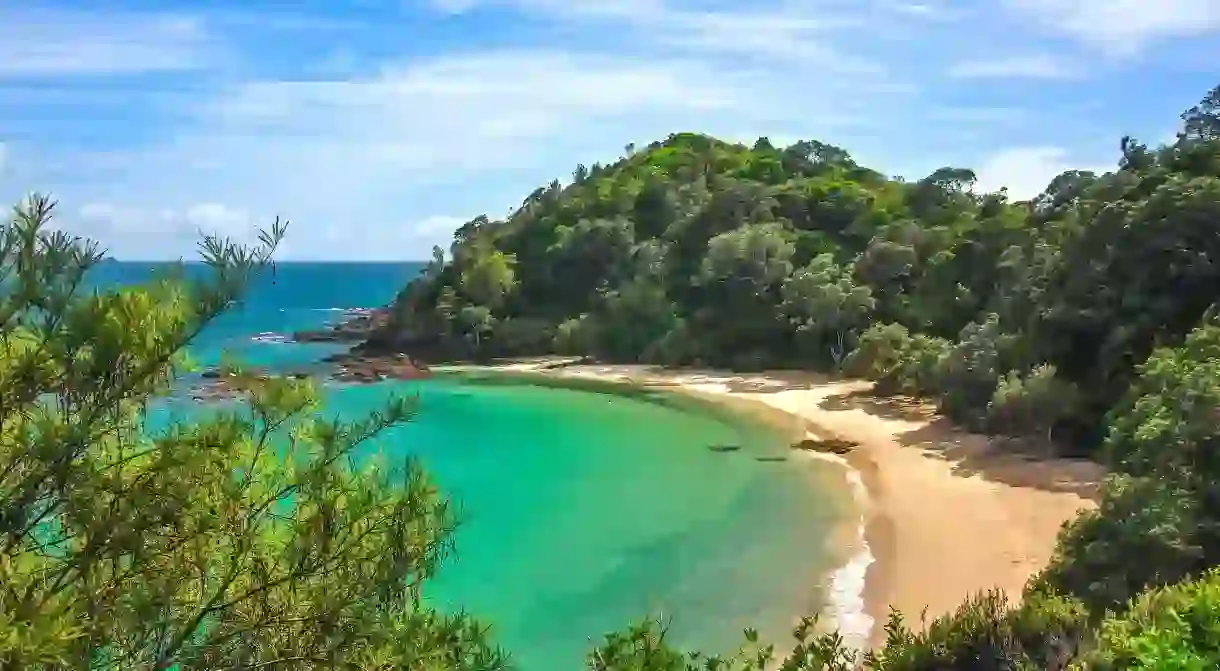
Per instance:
(750,257)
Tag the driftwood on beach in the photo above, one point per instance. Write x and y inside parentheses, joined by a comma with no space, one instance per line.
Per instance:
(826,445)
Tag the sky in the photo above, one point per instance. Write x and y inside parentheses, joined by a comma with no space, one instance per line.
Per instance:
(377,127)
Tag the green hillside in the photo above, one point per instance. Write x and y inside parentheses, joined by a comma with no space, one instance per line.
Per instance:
(697,251)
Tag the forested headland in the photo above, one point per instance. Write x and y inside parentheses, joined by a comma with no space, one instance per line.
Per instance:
(1018,316)
(1087,314)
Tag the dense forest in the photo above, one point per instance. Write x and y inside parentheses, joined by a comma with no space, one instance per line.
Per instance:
(696,251)
(251,539)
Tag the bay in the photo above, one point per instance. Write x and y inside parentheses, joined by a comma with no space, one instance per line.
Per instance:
(583,510)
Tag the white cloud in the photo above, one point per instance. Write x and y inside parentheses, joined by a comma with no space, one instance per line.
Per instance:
(1123,27)
(1025,171)
(383,164)
(206,218)
(463,135)
(788,32)
(1033,66)
(55,43)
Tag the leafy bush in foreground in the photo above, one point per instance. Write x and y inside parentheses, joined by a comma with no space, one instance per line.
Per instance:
(246,540)
(1169,629)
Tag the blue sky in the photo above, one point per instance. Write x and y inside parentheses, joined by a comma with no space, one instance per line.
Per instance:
(377,127)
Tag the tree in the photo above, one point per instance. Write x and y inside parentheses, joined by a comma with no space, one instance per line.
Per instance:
(643,647)
(476,321)
(755,256)
(897,361)
(634,317)
(1032,403)
(970,370)
(1202,122)
(1167,628)
(246,539)
(826,304)
(576,336)
(1168,426)
(489,278)
(470,230)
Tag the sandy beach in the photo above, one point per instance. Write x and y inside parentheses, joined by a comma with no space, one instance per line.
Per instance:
(945,514)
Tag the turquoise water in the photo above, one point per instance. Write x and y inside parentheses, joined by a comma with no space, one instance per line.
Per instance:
(582,511)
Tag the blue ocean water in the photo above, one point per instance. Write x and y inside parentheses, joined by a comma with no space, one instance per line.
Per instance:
(582,511)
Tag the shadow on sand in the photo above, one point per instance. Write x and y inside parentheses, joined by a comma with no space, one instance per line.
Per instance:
(1009,461)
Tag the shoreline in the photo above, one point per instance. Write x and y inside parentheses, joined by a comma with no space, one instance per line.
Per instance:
(925,491)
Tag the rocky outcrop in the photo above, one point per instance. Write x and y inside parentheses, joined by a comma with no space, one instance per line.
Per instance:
(216,385)
(356,327)
(356,367)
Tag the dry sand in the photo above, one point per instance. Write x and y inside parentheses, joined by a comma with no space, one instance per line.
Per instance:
(948,514)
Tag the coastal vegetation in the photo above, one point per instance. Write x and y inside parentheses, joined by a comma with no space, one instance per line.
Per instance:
(252,539)
(1087,317)
(701,252)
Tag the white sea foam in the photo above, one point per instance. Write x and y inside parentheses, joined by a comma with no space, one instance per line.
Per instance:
(270,338)
(845,593)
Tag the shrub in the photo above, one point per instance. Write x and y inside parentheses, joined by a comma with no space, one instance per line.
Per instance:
(985,634)
(1168,629)
(1032,403)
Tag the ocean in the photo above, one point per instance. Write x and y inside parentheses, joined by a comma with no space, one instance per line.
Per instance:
(582,511)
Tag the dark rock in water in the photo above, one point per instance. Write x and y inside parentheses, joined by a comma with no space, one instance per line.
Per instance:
(770,458)
(357,327)
(364,368)
(724,448)
(828,445)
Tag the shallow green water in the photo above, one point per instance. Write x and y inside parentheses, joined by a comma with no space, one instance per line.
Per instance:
(584,511)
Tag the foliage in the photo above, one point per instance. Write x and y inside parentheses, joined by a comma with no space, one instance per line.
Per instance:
(985,634)
(1168,629)
(1169,427)
(826,306)
(970,369)
(245,540)
(693,250)
(1031,403)
(642,647)
(897,361)
(1158,522)
(1141,535)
